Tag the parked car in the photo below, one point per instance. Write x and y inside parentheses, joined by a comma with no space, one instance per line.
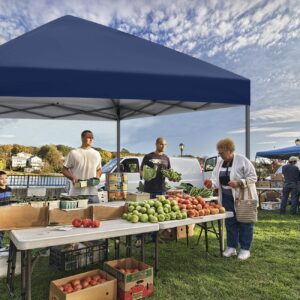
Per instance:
(189,168)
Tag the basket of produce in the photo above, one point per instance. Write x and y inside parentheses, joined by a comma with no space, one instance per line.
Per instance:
(53,203)
(82,201)
(81,184)
(93,181)
(171,174)
(68,204)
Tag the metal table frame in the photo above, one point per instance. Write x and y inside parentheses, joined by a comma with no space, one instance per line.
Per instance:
(27,261)
(201,221)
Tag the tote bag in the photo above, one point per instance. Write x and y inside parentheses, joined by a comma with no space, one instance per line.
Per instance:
(246,209)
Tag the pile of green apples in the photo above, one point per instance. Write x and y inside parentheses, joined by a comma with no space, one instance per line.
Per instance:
(154,211)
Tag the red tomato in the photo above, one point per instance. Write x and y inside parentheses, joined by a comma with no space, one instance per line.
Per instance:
(69,290)
(87,278)
(96,223)
(102,280)
(76,222)
(96,277)
(77,287)
(66,286)
(85,284)
(86,222)
(93,282)
(75,282)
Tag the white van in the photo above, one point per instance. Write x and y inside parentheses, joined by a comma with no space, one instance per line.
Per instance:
(189,168)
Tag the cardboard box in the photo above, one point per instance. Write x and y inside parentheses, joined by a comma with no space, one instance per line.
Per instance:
(103,196)
(181,231)
(65,217)
(276,184)
(13,217)
(102,212)
(277,177)
(103,291)
(263,184)
(137,196)
(270,205)
(117,196)
(132,286)
(272,196)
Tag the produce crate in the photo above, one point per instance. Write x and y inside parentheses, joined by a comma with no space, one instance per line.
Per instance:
(263,184)
(68,204)
(103,291)
(76,256)
(131,286)
(138,196)
(103,196)
(276,184)
(93,181)
(81,184)
(270,205)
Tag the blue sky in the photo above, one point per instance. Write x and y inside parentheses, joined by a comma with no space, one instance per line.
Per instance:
(259,40)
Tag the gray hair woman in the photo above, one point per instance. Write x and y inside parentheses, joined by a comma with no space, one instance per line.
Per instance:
(233,172)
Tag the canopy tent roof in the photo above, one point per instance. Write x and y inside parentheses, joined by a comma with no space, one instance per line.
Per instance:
(282,153)
(72,68)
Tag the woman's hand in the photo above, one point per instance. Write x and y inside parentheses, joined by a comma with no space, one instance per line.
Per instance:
(234,183)
(208,183)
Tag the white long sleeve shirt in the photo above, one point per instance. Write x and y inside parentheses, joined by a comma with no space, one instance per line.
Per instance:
(242,170)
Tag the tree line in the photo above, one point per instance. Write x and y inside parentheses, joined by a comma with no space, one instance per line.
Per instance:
(52,155)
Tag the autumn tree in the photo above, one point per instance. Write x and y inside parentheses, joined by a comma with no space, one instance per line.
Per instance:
(52,156)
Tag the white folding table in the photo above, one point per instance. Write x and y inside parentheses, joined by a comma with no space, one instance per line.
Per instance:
(26,240)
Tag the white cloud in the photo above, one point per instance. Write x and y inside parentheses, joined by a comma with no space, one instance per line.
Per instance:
(286,134)
(266,143)
(7,136)
(257,129)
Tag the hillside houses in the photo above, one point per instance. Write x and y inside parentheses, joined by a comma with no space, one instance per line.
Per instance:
(26,160)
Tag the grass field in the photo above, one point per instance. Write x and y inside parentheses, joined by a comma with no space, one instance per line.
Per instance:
(272,272)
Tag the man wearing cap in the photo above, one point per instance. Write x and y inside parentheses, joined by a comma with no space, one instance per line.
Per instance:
(291,176)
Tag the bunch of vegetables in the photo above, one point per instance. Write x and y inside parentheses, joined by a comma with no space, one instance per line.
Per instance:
(149,173)
(203,192)
(171,174)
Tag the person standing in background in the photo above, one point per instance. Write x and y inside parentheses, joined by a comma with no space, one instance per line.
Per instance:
(81,164)
(290,186)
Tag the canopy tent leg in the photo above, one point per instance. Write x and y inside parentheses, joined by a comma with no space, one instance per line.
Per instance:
(247,131)
(118,139)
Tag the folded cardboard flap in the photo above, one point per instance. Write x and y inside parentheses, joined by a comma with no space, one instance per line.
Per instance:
(103,212)
(14,217)
(65,217)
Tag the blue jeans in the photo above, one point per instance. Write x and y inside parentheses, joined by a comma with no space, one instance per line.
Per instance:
(294,198)
(237,233)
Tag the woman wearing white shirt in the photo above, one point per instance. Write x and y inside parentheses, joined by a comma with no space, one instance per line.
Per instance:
(233,172)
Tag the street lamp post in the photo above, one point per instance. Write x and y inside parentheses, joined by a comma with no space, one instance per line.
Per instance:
(181,147)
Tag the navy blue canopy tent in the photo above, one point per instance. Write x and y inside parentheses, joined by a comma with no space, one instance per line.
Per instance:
(282,153)
(74,69)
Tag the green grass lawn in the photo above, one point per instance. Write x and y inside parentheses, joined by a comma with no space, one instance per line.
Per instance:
(272,272)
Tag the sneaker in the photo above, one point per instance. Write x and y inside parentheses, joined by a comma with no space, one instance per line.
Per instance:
(229,252)
(138,243)
(244,254)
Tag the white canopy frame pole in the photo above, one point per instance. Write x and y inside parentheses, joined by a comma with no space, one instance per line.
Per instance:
(247,131)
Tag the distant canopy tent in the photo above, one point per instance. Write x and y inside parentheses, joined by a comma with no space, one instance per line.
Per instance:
(74,69)
(282,153)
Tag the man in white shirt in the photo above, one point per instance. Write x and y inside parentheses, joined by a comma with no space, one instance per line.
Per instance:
(81,164)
